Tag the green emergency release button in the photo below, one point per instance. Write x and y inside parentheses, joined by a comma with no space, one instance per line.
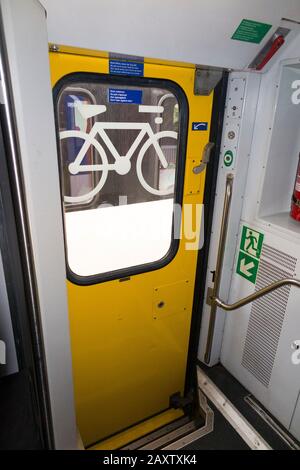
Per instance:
(228,158)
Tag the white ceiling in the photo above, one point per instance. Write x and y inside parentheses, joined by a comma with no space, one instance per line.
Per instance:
(196,31)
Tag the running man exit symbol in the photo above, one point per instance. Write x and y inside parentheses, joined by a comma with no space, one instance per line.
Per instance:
(251,242)
(249,254)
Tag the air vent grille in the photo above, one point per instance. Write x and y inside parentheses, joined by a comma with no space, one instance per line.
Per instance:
(267,314)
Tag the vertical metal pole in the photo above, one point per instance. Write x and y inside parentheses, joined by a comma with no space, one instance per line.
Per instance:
(219,265)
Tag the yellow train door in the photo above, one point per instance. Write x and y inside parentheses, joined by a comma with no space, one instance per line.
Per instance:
(130,135)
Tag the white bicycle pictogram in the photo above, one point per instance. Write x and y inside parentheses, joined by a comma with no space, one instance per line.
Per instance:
(122,163)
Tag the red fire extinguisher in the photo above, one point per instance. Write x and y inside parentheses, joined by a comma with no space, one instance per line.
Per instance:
(295,207)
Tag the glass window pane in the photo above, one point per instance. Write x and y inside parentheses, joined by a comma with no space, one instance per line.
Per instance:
(119,165)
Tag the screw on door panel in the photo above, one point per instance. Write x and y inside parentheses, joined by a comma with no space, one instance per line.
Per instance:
(54,48)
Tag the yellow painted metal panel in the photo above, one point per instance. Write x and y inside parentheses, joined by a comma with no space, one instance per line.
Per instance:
(104,54)
(194,182)
(126,363)
(171,299)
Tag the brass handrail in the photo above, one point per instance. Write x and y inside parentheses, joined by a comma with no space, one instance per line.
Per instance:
(219,264)
(256,295)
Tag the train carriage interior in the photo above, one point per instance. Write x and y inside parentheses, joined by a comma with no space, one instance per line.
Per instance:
(149,225)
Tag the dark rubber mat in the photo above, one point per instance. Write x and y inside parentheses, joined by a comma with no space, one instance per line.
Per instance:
(223,437)
(236,393)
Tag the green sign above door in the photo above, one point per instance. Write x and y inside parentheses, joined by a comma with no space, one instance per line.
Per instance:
(249,254)
(251,31)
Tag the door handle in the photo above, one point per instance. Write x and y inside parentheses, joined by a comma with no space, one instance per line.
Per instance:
(213,298)
(205,158)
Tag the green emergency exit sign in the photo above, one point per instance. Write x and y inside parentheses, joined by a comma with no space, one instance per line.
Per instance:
(249,254)
(251,31)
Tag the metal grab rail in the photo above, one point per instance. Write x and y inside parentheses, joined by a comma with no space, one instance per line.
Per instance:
(219,264)
(256,295)
(213,294)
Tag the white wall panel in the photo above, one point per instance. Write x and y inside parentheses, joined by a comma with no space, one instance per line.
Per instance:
(195,31)
(26,40)
(271,377)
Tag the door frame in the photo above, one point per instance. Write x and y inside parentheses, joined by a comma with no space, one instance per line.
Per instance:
(218,111)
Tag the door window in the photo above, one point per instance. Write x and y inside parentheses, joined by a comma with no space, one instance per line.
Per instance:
(121,161)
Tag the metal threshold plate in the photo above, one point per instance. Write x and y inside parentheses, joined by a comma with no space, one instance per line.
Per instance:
(156,434)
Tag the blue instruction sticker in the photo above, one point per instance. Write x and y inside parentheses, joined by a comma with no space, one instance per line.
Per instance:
(125,67)
(117,95)
(199,126)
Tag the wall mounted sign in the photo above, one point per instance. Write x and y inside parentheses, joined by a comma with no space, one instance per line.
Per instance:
(251,31)
(125,67)
(118,95)
(199,126)
(249,254)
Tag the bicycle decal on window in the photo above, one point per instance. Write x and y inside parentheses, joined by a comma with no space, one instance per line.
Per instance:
(122,163)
